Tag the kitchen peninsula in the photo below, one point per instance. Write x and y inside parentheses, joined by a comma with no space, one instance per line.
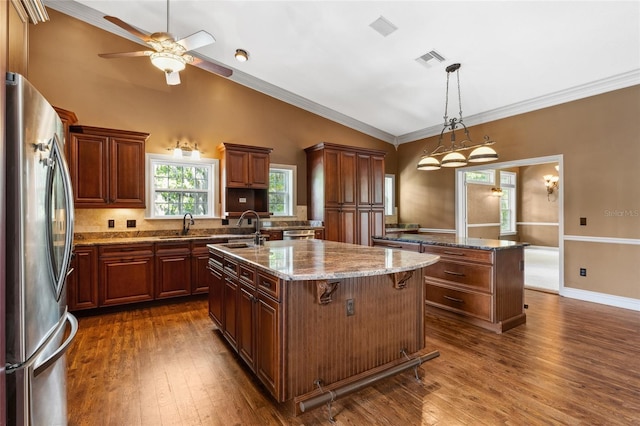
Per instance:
(314,319)
(477,280)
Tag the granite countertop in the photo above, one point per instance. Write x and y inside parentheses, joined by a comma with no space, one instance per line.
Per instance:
(99,238)
(289,227)
(321,259)
(453,241)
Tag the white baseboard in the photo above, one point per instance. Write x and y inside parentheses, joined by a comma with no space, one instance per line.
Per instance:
(605,299)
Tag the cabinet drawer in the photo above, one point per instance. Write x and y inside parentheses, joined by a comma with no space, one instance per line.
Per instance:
(460,301)
(478,277)
(126,250)
(269,285)
(173,248)
(246,275)
(230,267)
(397,244)
(485,256)
(215,260)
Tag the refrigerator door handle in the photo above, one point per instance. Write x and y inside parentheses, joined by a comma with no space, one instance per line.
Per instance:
(61,349)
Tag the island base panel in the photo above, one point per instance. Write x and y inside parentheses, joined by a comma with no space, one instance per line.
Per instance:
(323,342)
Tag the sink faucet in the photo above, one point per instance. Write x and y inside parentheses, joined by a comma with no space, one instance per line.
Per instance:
(185,224)
(257,240)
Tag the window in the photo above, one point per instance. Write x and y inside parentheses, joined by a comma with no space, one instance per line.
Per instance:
(481,176)
(176,186)
(389,195)
(508,203)
(282,190)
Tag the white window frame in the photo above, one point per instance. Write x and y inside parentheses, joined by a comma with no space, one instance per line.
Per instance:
(292,172)
(490,173)
(510,190)
(389,194)
(214,183)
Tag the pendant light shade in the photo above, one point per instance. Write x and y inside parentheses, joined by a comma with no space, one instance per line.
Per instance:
(428,163)
(454,159)
(482,155)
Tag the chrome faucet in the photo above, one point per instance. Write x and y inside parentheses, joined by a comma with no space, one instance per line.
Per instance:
(257,239)
(185,224)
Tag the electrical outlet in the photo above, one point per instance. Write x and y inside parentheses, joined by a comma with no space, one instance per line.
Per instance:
(351,308)
(583,221)
(111,223)
(583,272)
(131,223)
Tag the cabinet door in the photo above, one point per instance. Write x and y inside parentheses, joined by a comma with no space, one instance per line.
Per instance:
(216,289)
(377,181)
(173,270)
(82,283)
(259,170)
(127,175)
(199,270)
(126,280)
(349,226)
(237,168)
(229,312)
(364,180)
(89,170)
(348,178)
(268,344)
(246,338)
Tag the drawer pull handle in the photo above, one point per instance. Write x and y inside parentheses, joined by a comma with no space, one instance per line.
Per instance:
(454,253)
(393,245)
(457,274)
(266,284)
(453,299)
(245,274)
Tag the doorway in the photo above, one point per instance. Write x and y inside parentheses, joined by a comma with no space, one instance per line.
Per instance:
(544,265)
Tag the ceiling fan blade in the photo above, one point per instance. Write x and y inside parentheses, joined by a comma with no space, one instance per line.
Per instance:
(173,78)
(210,66)
(196,40)
(126,54)
(130,28)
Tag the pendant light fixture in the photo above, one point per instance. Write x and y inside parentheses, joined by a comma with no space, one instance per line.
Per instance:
(452,157)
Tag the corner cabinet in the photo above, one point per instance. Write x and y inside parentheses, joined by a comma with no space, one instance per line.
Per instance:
(107,167)
(245,179)
(346,190)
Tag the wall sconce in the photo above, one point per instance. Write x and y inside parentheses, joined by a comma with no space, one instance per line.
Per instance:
(185,149)
(551,182)
(496,192)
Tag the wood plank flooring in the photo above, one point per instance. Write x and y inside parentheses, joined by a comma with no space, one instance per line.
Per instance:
(573,363)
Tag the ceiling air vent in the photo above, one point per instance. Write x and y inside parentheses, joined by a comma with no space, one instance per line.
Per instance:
(430,58)
(383,26)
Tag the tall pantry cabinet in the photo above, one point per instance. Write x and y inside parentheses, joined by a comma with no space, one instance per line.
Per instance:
(346,191)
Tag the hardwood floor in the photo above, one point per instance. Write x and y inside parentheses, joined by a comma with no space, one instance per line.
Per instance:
(573,363)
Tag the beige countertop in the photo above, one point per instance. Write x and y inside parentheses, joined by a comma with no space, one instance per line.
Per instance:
(142,239)
(452,241)
(321,259)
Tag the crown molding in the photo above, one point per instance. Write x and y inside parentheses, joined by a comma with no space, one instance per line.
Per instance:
(620,81)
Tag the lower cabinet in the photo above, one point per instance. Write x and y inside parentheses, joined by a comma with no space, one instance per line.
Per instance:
(126,274)
(199,267)
(173,270)
(82,282)
(245,304)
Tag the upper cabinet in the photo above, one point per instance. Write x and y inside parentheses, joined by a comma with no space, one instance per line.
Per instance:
(107,167)
(245,179)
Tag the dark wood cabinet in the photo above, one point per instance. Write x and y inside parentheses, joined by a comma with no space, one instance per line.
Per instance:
(107,167)
(68,118)
(199,267)
(216,288)
(126,274)
(230,304)
(245,179)
(346,191)
(82,282)
(172,270)
(272,234)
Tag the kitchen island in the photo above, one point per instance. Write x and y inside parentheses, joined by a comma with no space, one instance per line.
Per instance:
(478,280)
(316,319)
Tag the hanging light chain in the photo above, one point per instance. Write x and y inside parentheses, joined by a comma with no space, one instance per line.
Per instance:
(459,95)
(446,102)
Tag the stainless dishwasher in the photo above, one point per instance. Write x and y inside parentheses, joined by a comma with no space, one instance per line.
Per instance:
(298,234)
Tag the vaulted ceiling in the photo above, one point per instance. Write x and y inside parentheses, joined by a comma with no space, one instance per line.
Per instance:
(326,57)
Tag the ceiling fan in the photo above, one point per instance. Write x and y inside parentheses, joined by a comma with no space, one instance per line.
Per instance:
(168,54)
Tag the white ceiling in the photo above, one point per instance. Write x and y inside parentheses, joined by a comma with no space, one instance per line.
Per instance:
(323,56)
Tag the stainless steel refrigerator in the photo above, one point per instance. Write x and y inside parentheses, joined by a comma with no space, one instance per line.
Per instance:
(39,239)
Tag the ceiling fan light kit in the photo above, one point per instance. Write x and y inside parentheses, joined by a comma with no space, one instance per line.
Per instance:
(452,156)
(169,55)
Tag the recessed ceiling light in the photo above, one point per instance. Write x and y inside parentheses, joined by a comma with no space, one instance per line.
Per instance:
(241,55)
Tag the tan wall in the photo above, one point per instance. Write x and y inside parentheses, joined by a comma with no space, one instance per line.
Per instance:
(536,206)
(482,209)
(598,137)
(130,94)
